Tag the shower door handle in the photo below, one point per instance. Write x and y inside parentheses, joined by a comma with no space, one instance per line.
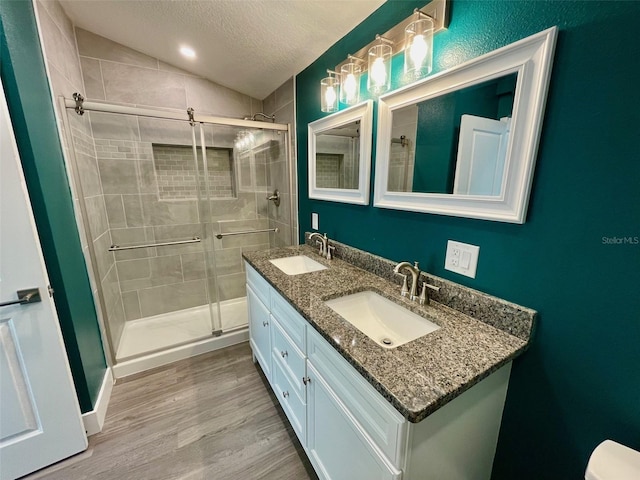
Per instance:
(30,295)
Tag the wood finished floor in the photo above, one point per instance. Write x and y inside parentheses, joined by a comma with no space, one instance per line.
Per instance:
(209,417)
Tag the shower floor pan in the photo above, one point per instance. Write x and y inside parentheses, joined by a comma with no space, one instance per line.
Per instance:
(160,332)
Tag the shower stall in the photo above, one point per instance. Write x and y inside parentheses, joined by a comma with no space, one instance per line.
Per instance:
(169,201)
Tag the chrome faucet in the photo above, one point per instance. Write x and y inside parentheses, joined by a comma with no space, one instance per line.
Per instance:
(325,249)
(415,275)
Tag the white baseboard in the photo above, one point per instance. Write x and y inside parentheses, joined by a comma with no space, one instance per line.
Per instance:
(94,420)
(158,359)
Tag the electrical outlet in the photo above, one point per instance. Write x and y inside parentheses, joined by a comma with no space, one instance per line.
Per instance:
(314,221)
(462,258)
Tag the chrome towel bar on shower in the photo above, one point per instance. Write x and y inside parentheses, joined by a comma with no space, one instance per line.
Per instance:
(117,248)
(220,235)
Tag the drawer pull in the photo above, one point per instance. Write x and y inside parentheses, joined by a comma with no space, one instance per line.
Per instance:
(306,380)
(285,394)
(284,353)
(265,323)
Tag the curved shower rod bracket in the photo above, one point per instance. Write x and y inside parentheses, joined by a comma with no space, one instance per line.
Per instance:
(190,112)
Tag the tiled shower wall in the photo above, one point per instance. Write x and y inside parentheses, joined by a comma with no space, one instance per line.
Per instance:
(177,173)
(163,279)
(337,162)
(113,152)
(65,77)
(284,217)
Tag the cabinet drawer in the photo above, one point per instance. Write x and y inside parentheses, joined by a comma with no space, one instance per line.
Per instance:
(293,406)
(260,286)
(291,358)
(376,415)
(290,320)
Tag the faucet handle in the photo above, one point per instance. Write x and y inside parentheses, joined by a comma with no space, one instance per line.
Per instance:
(404,291)
(330,248)
(424,297)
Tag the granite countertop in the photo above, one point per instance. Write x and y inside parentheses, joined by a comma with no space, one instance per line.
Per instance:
(418,377)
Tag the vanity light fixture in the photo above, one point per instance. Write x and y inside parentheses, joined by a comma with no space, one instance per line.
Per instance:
(418,50)
(329,92)
(379,79)
(350,81)
(413,36)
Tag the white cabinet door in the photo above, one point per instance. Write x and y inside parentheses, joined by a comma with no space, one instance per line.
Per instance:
(336,445)
(259,331)
(40,420)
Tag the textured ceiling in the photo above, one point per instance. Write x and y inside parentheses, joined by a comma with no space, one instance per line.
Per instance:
(251,46)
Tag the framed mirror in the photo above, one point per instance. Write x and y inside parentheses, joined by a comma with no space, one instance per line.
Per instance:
(464,142)
(340,155)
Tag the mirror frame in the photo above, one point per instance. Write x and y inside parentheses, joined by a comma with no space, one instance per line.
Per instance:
(364,113)
(531,58)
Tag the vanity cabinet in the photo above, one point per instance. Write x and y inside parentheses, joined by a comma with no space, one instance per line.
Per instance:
(347,428)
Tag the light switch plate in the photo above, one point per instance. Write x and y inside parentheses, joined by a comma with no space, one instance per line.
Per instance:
(314,221)
(462,258)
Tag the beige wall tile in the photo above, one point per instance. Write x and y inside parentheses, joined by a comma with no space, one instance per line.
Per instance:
(104,258)
(207,97)
(97,214)
(231,286)
(111,126)
(92,76)
(166,270)
(115,211)
(95,46)
(143,86)
(284,94)
(193,266)
(169,298)
(131,305)
(118,176)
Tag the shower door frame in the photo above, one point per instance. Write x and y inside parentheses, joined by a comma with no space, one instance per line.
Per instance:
(189,116)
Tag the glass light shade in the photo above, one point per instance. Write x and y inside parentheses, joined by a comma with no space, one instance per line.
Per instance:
(379,79)
(418,50)
(329,94)
(350,83)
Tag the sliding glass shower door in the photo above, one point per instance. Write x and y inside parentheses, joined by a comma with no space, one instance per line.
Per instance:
(168,207)
(140,189)
(245,166)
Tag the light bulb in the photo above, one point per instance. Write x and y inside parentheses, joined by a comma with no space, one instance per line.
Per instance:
(350,87)
(418,51)
(330,95)
(379,72)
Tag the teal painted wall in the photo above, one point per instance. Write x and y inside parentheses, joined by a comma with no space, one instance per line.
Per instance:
(579,383)
(27,90)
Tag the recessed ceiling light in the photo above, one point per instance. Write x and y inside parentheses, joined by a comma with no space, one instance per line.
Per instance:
(188,52)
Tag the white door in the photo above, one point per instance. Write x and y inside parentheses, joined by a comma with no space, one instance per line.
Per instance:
(482,150)
(40,420)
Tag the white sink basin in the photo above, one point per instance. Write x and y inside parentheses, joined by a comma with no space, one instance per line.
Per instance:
(297,265)
(383,321)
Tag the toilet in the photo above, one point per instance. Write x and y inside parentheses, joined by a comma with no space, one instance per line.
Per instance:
(613,461)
